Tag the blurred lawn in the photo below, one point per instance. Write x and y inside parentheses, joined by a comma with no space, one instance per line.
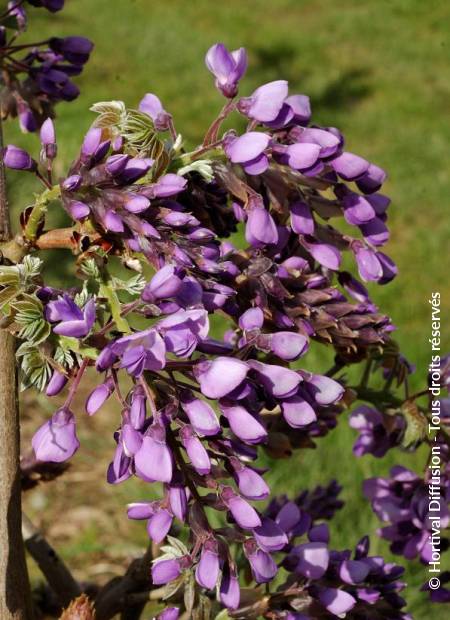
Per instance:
(378,70)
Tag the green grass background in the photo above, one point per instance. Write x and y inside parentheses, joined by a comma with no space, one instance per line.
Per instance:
(378,70)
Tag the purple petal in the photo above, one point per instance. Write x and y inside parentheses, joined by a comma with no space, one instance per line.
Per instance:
(207,571)
(302,221)
(313,559)
(219,377)
(165,571)
(338,602)
(298,412)
(159,525)
(247,147)
(270,536)
(56,441)
(302,155)
(349,166)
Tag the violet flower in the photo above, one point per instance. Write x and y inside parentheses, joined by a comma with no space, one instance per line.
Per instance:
(71,319)
(227,67)
(56,440)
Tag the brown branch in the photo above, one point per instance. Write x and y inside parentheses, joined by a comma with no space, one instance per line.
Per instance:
(15,601)
(52,567)
(112,598)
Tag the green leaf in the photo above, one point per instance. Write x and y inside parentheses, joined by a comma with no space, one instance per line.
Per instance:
(416,425)
(7,294)
(73,344)
(134,286)
(63,357)
(90,269)
(110,113)
(9,275)
(35,369)
(30,315)
(30,267)
(189,593)
(36,331)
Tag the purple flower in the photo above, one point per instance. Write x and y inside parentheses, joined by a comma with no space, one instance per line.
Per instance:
(195,451)
(301,108)
(73,49)
(220,376)
(18,159)
(56,384)
(324,390)
(250,483)
(243,513)
(72,320)
(349,166)
(201,415)
(312,559)
(183,330)
(277,380)
(56,441)
(229,589)
(51,5)
(227,67)
(402,501)
(141,510)
(270,536)
(302,221)
(152,106)
(141,351)
(159,524)
(153,460)
(337,602)
(372,179)
(378,431)
(120,468)
(167,185)
(260,229)
(170,613)
(288,345)
(298,412)
(266,102)
(243,424)
(324,253)
(178,500)
(48,138)
(99,396)
(207,571)
(77,210)
(248,150)
(302,155)
(165,283)
(253,318)
(164,571)
(369,267)
(261,563)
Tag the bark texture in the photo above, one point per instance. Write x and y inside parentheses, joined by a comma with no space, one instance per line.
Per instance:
(15,602)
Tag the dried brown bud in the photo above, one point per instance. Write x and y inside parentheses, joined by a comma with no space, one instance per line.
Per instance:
(79,609)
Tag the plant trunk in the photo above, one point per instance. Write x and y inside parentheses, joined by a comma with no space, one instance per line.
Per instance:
(15,601)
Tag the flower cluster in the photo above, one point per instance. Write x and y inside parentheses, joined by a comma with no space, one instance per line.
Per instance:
(202,402)
(403,502)
(35,76)
(318,581)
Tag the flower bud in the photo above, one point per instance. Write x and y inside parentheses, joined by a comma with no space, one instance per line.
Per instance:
(18,159)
